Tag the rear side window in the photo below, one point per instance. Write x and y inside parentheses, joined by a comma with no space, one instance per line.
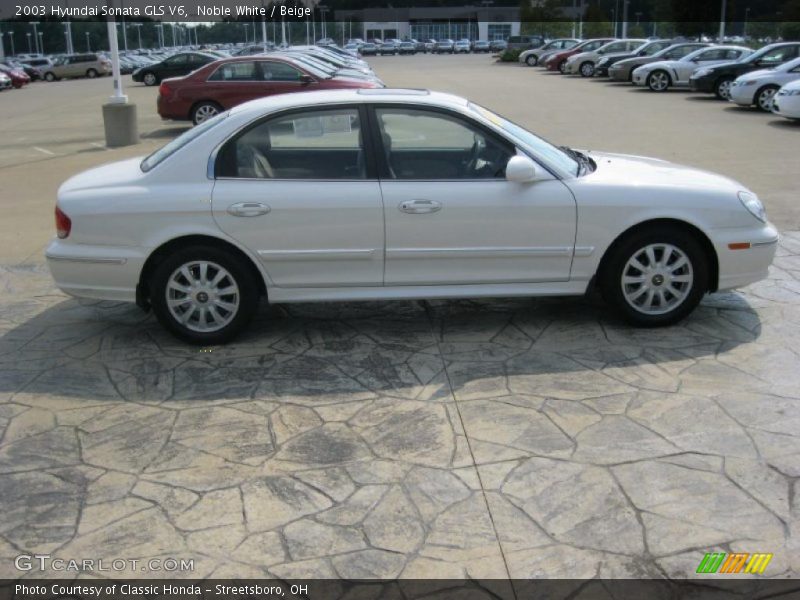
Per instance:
(179,142)
(238,71)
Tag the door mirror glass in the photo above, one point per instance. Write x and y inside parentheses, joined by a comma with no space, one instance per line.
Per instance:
(306,79)
(520,169)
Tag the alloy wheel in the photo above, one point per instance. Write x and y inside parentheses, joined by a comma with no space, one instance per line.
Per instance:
(657,279)
(724,89)
(204,112)
(587,69)
(658,81)
(150,79)
(764,99)
(202,296)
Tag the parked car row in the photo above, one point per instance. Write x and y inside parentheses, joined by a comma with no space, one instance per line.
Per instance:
(768,78)
(220,84)
(375,46)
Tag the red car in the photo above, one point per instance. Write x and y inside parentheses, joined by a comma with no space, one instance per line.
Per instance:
(17,76)
(557,62)
(225,83)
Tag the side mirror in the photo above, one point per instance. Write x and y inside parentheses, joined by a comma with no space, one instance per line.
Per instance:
(520,169)
(306,79)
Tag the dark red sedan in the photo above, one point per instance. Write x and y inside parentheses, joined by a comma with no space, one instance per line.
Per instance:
(18,76)
(225,83)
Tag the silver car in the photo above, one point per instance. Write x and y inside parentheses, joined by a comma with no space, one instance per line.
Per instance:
(661,75)
(584,63)
(77,65)
(534,56)
(759,87)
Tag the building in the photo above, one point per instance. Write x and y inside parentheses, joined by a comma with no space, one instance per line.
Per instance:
(453,22)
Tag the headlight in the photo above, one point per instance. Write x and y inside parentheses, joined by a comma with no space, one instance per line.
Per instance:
(702,72)
(751,202)
(791,93)
(602,62)
(751,82)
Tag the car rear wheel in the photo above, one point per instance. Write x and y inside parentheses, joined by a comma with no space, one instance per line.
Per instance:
(204,295)
(655,277)
(587,69)
(764,97)
(49,76)
(204,111)
(722,89)
(562,66)
(532,60)
(658,81)
(91,73)
(150,79)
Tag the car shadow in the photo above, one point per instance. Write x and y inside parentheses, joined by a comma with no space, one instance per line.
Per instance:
(709,98)
(745,110)
(339,352)
(785,123)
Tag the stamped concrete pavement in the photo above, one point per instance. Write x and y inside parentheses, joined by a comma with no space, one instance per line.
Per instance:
(484,439)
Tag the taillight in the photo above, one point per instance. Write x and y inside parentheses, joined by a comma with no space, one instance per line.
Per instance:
(63,224)
(164,90)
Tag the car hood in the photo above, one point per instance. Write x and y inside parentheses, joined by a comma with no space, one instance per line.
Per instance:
(757,74)
(618,55)
(116,174)
(726,65)
(653,172)
(636,60)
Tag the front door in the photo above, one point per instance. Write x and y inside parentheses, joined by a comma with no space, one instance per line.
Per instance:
(451,216)
(300,193)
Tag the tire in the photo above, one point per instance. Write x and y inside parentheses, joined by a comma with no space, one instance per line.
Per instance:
(722,88)
(532,60)
(203,111)
(49,76)
(91,73)
(562,67)
(202,302)
(150,79)
(763,97)
(658,81)
(587,69)
(672,293)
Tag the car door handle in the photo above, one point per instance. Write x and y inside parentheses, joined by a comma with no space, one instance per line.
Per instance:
(248,209)
(420,207)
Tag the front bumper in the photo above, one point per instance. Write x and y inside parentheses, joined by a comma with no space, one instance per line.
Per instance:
(738,268)
(618,73)
(99,272)
(639,78)
(743,95)
(703,84)
(786,106)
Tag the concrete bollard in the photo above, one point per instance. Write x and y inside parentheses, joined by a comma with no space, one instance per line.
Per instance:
(120,124)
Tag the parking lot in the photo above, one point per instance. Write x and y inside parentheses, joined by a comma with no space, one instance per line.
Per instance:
(490,439)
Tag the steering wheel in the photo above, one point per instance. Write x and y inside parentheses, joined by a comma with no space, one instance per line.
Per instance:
(478,147)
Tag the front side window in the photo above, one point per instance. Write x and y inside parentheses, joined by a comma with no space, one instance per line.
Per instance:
(275,71)
(237,71)
(423,144)
(678,53)
(778,56)
(320,144)
(177,61)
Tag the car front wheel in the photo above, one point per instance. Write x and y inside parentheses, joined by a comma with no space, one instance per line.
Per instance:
(658,81)
(532,61)
(91,73)
(204,295)
(50,76)
(587,69)
(655,278)
(764,97)
(150,79)
(722,89)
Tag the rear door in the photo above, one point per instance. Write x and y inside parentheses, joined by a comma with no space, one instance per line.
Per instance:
(300,192)
(233,83)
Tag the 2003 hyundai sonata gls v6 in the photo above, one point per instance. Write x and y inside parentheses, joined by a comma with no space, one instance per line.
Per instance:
(379,194)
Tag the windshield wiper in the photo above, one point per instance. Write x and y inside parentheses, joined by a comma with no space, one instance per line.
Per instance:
(584,162)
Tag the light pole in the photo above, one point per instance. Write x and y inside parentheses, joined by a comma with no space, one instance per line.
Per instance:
(722,22)
(11,38)
(30,51)
(41,42)
(88,43)
(322,11)
(625,4)
(139,32)
(746,15)
(2,46)
(35,36)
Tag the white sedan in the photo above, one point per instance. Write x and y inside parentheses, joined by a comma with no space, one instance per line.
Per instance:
(786,101)
(759,87)
(395,194)
(661,75)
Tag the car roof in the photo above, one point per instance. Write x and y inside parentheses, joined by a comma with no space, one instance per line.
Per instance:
(357,96)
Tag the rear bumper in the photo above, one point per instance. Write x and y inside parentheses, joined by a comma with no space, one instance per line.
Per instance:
(99,272)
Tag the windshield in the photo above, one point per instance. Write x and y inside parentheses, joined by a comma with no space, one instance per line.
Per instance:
(541,147)
(179,142)
(315,67)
